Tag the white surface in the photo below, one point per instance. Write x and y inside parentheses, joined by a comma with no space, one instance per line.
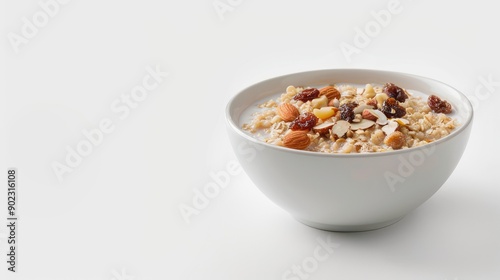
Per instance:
(116,216)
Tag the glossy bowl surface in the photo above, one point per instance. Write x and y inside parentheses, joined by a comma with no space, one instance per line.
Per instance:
(348,192)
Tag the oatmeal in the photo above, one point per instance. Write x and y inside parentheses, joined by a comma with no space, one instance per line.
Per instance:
(350,119)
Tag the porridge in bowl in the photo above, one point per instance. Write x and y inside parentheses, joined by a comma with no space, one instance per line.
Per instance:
(350,118)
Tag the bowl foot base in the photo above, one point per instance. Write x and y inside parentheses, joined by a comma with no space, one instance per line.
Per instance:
(349,228)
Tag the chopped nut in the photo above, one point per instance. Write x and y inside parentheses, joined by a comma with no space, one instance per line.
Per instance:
(319,102)
(381,97)
(325,112)
(369,91)
(334,103)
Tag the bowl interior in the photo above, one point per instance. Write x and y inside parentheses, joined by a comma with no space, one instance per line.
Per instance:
(266,89)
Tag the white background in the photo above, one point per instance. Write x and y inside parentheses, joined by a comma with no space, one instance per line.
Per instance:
(116,215)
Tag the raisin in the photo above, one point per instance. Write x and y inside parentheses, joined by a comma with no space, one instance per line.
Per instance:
(395,92)
(439,106)
(392,109)
(347,111)
(396,140)
(307,94)
(305,121)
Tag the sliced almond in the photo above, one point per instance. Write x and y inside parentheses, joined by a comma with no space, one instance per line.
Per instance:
(361,107)
(381,117)
(323,128)
(363,124)
(390,127)
(368,115)
(340,128)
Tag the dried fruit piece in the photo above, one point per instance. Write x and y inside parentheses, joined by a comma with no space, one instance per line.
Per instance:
(396,140)
(439,106)
(323,128)
(305,121)
(307,94)
(325,112)
(395,92)
(330,92)
(288,112)
(296,140)
(347,111)
(392,109)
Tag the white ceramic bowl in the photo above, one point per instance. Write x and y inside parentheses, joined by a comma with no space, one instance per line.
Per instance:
(348,192)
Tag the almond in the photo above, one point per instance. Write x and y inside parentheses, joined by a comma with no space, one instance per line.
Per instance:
(288,112)
(340,128)
(361,107)
(298,140)
(363,124)
(323,128)
(330,92)
(367,115)
(375,115)
(372,102)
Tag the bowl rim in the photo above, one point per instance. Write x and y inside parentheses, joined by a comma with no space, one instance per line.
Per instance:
(463,126)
